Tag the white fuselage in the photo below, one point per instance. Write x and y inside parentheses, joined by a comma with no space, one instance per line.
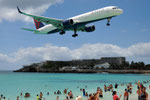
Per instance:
(99,14)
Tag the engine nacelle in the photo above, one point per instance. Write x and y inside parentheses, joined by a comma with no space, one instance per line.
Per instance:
(90,28)
(68,23)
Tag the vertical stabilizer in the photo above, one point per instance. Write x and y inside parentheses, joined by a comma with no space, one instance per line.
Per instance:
(38,24)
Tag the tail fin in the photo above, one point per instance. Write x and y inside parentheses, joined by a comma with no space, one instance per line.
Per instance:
(38,24)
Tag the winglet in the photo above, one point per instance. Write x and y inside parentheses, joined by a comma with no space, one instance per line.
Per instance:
(19,10)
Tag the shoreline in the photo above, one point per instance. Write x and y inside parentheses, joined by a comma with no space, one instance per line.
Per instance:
(85,71)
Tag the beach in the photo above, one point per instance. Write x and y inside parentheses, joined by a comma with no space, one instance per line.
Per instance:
(13,84)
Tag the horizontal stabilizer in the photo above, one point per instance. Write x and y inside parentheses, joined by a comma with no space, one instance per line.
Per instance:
(29,30)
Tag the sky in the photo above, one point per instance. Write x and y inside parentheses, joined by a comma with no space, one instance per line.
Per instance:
(128,35)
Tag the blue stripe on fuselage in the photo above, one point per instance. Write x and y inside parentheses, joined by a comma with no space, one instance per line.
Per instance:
(77,25)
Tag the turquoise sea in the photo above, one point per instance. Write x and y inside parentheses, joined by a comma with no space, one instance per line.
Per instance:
(12,84)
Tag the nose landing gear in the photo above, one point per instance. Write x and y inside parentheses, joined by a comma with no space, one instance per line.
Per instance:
(108,21)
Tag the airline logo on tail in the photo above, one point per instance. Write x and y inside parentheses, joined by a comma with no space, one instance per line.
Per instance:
(38,24)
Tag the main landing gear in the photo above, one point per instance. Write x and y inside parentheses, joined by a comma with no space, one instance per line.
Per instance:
(75,33)
(108,21)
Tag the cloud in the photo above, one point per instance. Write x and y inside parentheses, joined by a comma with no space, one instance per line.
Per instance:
(137,52)
(9,12)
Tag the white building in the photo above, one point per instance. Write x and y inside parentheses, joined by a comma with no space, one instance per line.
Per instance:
(100,66)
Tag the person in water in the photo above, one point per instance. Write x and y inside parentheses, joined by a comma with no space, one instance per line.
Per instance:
(84,92)
(115,97)
(1,97)
(105,88)
(94,97)
(4,98)
(47,93)
(37,97)
(66,98)
(41,94)
(65,91)
(57,98)
(17,98)
(70,94)
(21,94)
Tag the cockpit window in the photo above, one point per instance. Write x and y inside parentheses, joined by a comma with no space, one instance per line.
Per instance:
(115,8)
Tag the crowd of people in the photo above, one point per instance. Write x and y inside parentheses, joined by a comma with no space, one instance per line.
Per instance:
(97,95)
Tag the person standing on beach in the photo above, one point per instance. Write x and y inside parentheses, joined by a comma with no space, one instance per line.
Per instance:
(105,88)
(139,93)
(126,95)
(144,94)
(101,93)
(115,97)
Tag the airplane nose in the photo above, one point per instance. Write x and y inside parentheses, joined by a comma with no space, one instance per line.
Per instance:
(121,11)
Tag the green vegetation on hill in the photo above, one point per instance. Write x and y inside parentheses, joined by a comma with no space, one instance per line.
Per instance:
(132,66)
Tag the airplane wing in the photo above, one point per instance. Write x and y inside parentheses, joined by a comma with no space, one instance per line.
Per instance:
(53,21)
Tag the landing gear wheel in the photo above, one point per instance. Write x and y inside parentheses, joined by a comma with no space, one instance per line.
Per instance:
(74,35)
(108,24)
(62,32)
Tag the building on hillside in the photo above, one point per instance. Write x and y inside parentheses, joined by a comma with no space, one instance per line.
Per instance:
(102,66)
(113,60)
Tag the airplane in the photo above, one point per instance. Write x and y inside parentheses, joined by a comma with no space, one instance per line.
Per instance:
(77,23)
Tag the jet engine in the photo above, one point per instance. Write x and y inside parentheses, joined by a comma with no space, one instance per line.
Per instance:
(68,23)
(90,28)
